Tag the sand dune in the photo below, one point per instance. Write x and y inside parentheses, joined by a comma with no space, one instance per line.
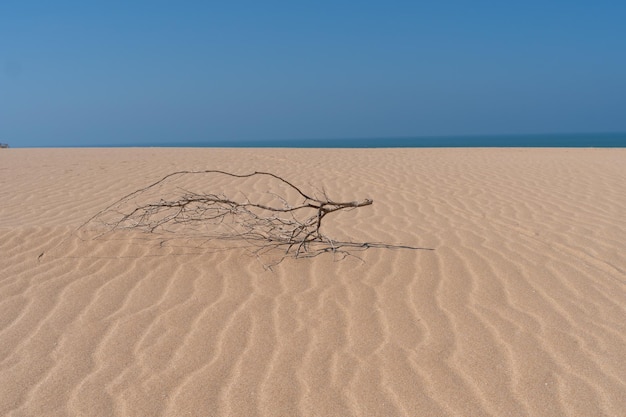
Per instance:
(519,309)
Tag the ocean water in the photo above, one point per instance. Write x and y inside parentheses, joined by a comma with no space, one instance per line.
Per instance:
(575,140)
(587,140)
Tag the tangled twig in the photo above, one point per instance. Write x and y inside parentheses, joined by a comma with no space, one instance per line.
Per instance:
(296,228)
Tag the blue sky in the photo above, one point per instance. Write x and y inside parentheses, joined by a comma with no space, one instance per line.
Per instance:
(144,72)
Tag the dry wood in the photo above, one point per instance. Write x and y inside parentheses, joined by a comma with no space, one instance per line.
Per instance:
(296,228)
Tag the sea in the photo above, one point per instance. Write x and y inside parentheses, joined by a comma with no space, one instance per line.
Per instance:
(576,140)
(559,140)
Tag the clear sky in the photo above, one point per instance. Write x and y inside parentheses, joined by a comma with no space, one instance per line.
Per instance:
(144,72)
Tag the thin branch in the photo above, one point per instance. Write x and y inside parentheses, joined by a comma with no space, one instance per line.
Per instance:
(297,229)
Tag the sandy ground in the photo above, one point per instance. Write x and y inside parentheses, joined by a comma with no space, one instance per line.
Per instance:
(519,309)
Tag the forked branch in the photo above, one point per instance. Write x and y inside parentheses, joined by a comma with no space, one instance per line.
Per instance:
(294,226)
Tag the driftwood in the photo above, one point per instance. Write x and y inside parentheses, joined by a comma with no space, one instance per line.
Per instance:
(296,228)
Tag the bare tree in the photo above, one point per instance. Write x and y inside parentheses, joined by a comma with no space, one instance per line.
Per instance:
(274,222)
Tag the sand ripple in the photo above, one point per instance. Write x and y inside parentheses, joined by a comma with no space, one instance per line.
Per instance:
(519,311)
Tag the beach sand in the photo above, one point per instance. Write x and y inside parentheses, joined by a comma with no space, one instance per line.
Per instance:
(519,309)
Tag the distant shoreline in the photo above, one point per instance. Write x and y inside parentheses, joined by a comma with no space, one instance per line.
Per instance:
(575,140)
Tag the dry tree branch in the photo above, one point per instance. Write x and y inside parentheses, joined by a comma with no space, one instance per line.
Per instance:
(295,228)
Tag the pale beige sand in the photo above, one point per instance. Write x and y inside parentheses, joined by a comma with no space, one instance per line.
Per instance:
(520,309)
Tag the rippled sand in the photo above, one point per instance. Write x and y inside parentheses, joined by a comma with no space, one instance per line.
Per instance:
(520,309)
